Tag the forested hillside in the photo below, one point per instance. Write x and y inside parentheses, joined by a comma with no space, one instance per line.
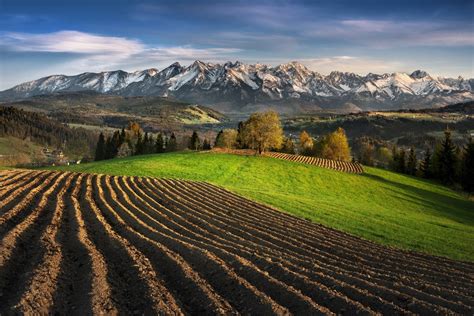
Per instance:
(40,129)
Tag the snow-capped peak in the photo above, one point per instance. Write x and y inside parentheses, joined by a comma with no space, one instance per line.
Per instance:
(248,83)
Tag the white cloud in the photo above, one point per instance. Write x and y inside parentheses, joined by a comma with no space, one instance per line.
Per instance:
(91,52)
(387,33)
(70,42)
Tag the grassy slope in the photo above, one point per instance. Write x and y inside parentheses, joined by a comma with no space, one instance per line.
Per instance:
(386,207)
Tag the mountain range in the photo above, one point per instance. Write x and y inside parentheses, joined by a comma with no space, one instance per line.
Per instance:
(239,87)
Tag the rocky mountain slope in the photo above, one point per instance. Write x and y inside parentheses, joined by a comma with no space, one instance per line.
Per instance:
(238,87)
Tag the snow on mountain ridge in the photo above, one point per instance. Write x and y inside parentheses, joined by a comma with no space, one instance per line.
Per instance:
(247,83)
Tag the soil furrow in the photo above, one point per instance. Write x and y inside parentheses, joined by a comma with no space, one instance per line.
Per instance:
(388,257)
(22,206)
(196,197)
(21,250)
(128,267)
(38,298)
(236,290)
(335,303)
(91,244)
(10,200)
(419,303)
(192,290)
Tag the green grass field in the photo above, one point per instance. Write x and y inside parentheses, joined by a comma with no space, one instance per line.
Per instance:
(382,206)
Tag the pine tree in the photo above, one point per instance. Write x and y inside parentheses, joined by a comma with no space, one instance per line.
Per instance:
(445,168)
(100,148)
(123,136)
(218,141)
(401,165)
(395,156)
(411,164)
(139,144)
(145,144)
(194,142)
(425,165)
(108,148)
(467,171)
(148,144)
(206,145)
(159,144)
(240,137)
(172,143)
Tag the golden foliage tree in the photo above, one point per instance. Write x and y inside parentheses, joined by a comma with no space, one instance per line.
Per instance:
(227,138)
(263,131)
(335,146)
(306,143)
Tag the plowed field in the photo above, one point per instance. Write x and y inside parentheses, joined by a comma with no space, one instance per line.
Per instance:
(82,243)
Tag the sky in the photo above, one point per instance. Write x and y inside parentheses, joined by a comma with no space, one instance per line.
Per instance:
(40,38)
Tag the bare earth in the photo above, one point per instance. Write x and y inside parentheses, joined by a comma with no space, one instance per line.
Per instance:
(82,244)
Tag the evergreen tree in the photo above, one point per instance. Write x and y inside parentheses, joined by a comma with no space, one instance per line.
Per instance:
(148,144)
(172,144)
(425,165)
(467,171)
(194,142)
(206,145)
(411,164)
(240,137)
(445,168)
(401,165)
(100,148)
(123,136)
(145,143)
(159,144)
(394,162)
(218,140)
(108,148)
(139,144)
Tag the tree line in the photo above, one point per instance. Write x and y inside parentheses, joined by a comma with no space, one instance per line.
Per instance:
(133,140)
(263,131)
(448,163)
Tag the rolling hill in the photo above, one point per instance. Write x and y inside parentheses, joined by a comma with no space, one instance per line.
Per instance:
(93,108)
(379,205)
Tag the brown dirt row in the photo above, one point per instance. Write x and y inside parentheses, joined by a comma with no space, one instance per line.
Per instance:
(24,187)
(240,288)
(93,244)
(322,237)
(195,293)
(155,293)
(319,231)
(217,207)
(269,223)
(281,293)
(21,248)
(344,166)
(252,255)
(11,176)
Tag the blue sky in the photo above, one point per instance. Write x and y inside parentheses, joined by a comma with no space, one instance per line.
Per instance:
(39,38)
